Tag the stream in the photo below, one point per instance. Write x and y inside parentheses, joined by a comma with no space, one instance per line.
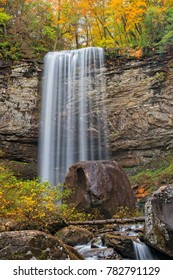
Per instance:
(97,250)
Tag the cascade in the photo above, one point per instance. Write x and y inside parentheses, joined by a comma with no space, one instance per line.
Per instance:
(142,251)
(73,120)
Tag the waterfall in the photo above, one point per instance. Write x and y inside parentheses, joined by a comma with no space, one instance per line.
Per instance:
(142,251)
(73,121)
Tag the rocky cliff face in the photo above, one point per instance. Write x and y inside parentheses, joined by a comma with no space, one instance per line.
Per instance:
(140,108)
(139,98)
(19,111)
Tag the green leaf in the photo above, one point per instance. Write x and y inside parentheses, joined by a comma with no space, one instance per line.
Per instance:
(4,18)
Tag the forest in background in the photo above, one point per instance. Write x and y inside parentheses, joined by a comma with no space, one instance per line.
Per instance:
(31,28)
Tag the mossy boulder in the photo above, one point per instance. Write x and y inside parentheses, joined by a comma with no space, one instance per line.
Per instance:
(30,244)
(159,220)
(74,235)
(123,245)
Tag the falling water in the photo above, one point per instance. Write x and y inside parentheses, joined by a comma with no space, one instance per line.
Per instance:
(142,251)
(73,123)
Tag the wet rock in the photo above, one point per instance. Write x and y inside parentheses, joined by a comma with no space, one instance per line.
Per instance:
(73,235)
(159,220)
(98,253)
(96,242)
(99,184)
(123,245)
(27,245)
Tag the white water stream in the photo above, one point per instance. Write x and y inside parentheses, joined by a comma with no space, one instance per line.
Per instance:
(142,251)
(100,251)
(73,121)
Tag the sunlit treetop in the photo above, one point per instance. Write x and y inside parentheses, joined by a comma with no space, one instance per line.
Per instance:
(3,2)
(38,26)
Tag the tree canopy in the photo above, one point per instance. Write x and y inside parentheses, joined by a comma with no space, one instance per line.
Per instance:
(30,28)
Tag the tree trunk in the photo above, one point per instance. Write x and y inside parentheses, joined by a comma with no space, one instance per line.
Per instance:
(109,221)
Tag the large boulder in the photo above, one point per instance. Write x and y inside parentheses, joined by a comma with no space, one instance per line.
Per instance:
(99,184)
(73,235)
(159,220)
(123,245)
(30,244)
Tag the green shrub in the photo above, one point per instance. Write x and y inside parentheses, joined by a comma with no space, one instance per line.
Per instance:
(10,51)
(167,40)
(155,174)
(32,203)
(125,212)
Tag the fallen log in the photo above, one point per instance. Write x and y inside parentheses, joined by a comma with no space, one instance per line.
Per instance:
(109,221)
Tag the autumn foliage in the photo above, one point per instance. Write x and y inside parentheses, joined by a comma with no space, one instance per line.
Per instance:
(32,204)
(30,28)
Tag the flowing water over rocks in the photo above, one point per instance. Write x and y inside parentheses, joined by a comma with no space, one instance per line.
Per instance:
(106,242)
(95,250)
(142,251)
(117,243)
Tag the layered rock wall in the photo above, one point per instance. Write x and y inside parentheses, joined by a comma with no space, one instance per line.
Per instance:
(19,110)
(140,108)
(139,100)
